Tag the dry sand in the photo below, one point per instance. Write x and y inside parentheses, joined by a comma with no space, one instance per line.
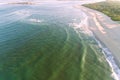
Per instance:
(107,33)
(106,30)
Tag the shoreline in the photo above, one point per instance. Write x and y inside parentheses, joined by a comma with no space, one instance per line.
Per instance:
(113,63)
(101,34)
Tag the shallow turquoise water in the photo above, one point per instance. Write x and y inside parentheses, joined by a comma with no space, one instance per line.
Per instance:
(37,43)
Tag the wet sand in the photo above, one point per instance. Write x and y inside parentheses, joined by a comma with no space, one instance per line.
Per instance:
(39,44)
(107,32)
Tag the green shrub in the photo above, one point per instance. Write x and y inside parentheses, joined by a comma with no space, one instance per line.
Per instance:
(112,9)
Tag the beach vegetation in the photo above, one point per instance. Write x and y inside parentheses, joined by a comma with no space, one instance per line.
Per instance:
(110,8)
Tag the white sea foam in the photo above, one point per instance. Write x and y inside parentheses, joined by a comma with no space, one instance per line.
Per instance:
(83,28)
(35,20)
(111,61)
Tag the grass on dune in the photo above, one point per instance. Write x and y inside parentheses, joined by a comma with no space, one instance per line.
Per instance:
(112,8)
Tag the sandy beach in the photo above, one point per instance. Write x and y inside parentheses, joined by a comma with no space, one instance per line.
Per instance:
(106,31)
(55,41)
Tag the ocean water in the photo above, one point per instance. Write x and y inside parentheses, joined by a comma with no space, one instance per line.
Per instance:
(40,42)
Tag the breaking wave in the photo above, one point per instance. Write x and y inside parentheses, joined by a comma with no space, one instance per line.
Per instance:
(82,27)
(110,59)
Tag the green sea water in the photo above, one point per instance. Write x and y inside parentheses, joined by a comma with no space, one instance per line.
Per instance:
(37,43)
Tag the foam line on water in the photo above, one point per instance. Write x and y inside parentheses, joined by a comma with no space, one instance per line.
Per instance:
(82,27)
(35,20)
(110,59)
